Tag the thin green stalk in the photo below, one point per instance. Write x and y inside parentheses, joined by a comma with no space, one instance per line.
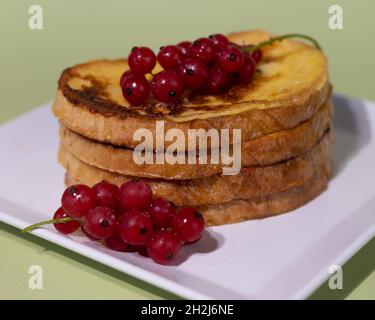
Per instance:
(42,223)
(251,48)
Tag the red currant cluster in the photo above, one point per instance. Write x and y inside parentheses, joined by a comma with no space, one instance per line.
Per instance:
(128,219)
(207,65)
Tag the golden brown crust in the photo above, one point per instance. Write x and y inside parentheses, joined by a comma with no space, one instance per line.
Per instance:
(249,209)
(264,106)
(265,150)
(241,210)
(251,182)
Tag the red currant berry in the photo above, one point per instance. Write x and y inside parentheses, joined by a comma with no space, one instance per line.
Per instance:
(136,89)
(124,77)
(220,41)
(188,224)
(167,86)
(163,246)
(230,59)
(135,194)
(217,81)
(131,248)
(89,236)
(106,194)
(184,47)
(194,73)
(202,49)
(99,222)
(65,227)
(142,251)
(248,70)
(141,60)
(161,211)
(170,57)
(134,227)
(115,242)
(257,55)
(77,200)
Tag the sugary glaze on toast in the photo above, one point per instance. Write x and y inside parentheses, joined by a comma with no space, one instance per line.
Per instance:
(290,72)
(291,85)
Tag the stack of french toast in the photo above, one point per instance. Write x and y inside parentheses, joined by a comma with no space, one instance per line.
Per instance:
(284,118)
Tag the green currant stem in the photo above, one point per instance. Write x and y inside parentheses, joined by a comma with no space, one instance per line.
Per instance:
(251,48)
(42,223)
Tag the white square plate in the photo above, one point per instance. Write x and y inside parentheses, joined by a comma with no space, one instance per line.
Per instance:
(285,257)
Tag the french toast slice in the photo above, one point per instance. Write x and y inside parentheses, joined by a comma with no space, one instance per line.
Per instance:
(262,151)
(251,182)
(271,205)
(291,85)
(258,208)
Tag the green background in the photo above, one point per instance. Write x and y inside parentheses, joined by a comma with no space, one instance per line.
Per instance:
(76,31)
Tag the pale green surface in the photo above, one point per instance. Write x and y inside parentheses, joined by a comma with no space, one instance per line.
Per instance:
(76,31)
